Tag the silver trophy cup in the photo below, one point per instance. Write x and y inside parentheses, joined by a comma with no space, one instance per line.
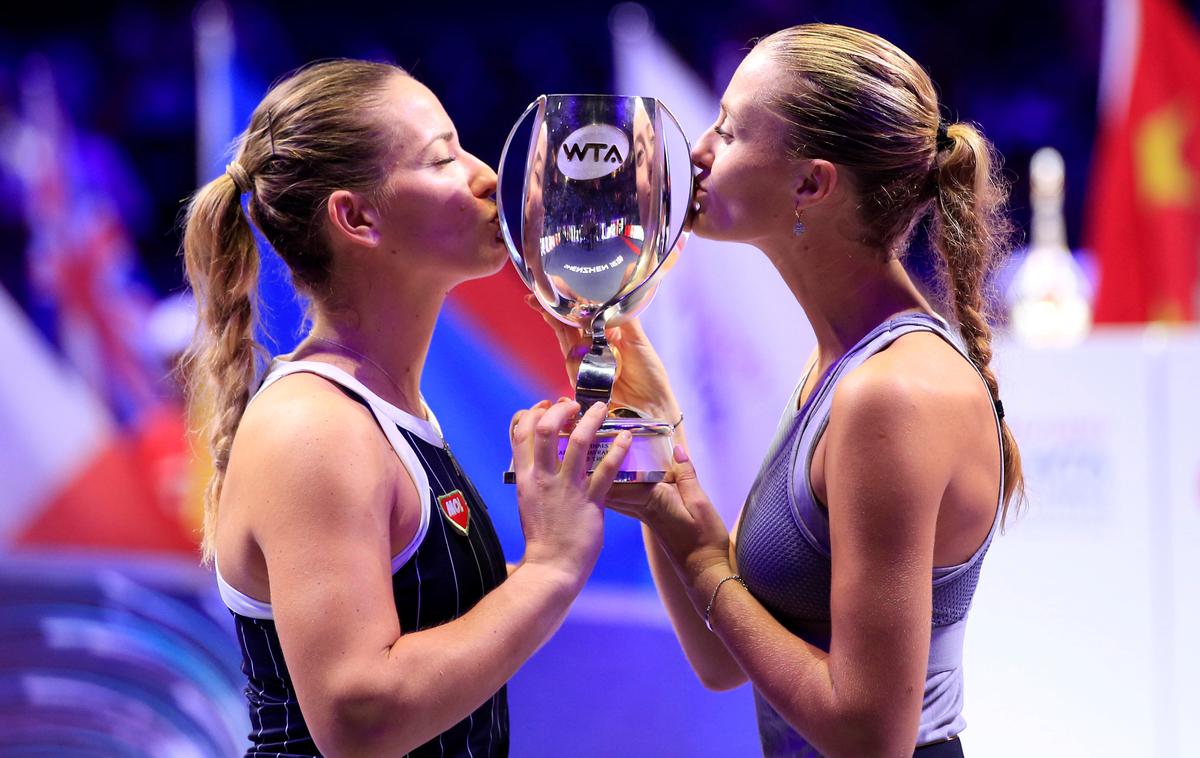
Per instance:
(599,224)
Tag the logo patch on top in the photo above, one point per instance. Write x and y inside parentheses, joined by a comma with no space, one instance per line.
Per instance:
(454,507)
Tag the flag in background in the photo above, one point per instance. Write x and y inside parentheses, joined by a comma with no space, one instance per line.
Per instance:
(94,432)
(111,637)
(1144,208)
(83,269)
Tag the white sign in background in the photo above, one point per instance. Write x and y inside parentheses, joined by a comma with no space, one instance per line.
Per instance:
(1076,644)
(1181,573)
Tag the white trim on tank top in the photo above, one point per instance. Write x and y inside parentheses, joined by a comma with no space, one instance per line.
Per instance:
(428,430)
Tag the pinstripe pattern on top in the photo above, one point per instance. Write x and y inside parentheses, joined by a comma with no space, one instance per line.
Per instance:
(444,577)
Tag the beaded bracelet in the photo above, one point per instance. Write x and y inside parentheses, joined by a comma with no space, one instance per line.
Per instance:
(708,610)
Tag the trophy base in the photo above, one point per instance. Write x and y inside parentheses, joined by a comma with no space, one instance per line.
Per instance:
(648,459)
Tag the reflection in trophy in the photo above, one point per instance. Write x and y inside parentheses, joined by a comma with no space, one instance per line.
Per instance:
(598,228)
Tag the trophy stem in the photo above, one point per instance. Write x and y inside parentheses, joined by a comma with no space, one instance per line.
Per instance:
(597,370)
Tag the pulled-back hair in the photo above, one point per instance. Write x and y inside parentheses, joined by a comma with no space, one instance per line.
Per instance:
(858,101)
(316,131)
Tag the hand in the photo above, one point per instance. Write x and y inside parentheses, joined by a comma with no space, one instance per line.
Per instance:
(682,519)
(561,506)
(633,499)
(641,380)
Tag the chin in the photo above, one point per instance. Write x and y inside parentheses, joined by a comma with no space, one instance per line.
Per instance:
(705,228)
(702,228)
(492,259)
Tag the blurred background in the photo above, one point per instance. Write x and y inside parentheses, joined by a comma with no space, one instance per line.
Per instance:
(112,638)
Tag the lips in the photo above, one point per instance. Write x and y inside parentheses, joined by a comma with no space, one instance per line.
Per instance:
(693,210)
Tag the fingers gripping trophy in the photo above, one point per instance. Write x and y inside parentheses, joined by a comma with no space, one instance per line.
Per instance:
(598,224)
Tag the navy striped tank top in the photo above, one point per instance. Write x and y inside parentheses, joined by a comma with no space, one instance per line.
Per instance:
(783,551)
(438,577)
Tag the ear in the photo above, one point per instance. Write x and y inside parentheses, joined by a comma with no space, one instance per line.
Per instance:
(815,181)
(353,218)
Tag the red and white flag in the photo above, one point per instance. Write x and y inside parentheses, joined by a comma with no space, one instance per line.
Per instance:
(96,453)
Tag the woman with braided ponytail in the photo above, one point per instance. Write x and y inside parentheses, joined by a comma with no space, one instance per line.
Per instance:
(370,595)
(843,592)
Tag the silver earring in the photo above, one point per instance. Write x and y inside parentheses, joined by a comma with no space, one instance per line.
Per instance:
(799,228)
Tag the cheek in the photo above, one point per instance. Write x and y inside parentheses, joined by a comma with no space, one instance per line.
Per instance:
(738,198)
(437,219)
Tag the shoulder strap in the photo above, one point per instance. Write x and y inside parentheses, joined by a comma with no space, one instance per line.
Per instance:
(818,407)
(429,430)
(388,417)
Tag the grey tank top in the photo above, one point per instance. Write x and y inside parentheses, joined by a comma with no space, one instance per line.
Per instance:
(783,551)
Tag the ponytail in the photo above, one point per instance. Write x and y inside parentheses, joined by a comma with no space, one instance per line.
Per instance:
(970,230)
(323,128)
(860,102)
(224,360)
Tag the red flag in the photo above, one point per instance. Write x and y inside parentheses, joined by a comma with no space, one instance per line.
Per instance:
(1144,208)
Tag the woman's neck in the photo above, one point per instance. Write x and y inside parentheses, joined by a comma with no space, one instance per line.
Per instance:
(385,334)
(846,289)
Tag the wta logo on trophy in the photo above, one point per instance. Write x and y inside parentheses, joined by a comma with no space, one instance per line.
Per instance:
(596,229)
(593,151)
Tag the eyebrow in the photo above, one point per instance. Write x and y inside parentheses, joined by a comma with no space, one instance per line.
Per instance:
(447,136)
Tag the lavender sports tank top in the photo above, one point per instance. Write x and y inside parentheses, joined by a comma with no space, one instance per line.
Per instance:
(783,551)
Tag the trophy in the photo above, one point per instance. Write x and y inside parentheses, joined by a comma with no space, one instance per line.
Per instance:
(600,223)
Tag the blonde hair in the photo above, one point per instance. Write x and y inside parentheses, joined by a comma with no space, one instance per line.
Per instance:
(857,100)
(316,131)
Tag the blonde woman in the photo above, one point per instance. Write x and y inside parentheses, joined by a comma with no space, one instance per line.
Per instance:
(368,589)
(842,594)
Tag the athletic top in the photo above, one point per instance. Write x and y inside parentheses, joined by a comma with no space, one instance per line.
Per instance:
(783,551)
(436,578)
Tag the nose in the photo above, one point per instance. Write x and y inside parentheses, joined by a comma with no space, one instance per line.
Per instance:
(702,152)
(483,179)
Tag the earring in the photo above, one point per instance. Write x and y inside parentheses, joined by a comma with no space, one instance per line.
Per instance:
(799,228)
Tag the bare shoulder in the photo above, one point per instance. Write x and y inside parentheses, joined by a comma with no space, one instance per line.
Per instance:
(307,419)
(918,380)
(302,443)
(909,411)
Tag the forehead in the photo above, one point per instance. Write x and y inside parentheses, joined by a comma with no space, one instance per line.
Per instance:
(750,90)
(415,113)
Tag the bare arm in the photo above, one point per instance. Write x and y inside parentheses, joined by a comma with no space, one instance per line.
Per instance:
(643,384)
(716,668)
(705,651)
(365,686)
(885,476)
